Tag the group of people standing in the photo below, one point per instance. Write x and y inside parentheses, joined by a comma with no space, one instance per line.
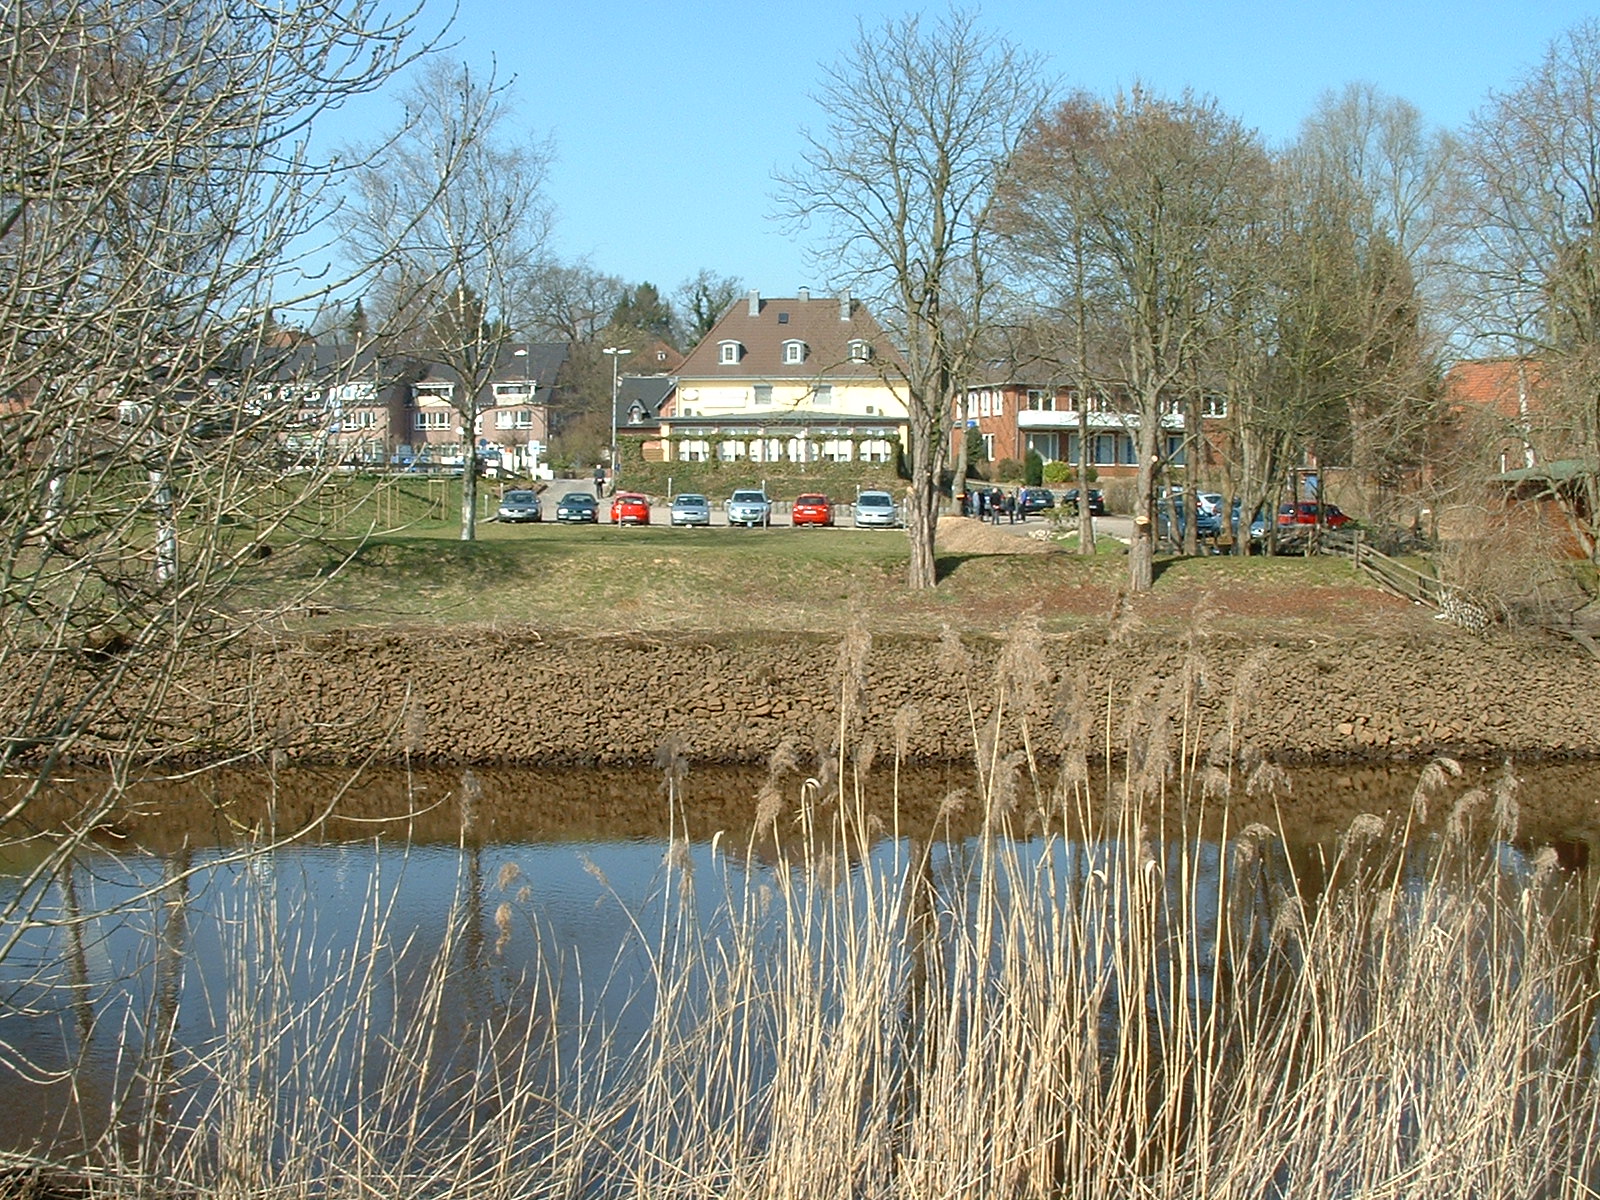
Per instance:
(990,504)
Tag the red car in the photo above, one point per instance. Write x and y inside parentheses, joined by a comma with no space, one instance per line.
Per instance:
(811,509)
(1309,512)
(630,508)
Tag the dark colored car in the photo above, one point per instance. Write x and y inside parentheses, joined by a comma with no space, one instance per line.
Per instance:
(1033,500)
(1172,522)
(579,508)
(630,508)
(1097,501)
(811,509)
(519,505)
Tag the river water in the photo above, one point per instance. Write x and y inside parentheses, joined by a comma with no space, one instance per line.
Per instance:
(176,953)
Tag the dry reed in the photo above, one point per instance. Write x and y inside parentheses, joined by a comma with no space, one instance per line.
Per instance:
(1135,1001)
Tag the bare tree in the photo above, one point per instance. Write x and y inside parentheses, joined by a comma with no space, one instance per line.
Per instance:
(451,208)
(568,302)
(156,175)
(920,122)
(702,300)
(1140,200)
(1378,183)
(1531,251)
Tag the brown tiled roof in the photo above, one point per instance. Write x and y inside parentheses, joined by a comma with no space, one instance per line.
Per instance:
(816,321)
(1494,384)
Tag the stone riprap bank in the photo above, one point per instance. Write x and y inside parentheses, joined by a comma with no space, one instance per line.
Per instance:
(511,698)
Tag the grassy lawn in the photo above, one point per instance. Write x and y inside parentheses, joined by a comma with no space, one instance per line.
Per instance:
(605,579)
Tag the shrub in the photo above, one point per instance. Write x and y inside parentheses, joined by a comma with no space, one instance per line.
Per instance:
(1033,469)
(1059,472)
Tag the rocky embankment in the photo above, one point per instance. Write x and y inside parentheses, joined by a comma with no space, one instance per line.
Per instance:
(511,698)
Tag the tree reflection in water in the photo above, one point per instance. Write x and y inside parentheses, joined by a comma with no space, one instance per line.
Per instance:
(503,976)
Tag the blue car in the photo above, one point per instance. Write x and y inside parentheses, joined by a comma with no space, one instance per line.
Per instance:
(1171,518)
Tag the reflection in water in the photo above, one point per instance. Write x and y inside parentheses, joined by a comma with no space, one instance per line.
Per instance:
(499,975)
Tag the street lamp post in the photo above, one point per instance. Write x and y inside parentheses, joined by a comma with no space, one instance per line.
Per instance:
(616,353)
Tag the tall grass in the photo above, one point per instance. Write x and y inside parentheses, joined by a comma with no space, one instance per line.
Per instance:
(1046,995)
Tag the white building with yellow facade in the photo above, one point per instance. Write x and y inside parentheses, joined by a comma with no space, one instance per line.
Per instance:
(787,380)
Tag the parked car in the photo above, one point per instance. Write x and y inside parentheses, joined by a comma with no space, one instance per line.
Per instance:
(1299,517)
(1172,522)
(1032,500)
(749,507)
(1097,501)
(519,505)
(690,508)
(876,510)
(1310,512)
(811,509)
(630,508)
(578,508)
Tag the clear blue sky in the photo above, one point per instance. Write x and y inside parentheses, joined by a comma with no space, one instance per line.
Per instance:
(669,120)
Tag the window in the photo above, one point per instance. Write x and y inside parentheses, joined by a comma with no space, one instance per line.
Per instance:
(433,419)
(837,450)
(763,393)
(860,350)
(1175,445)
(877,450)
(730,451)
(988,447)
(729,352)
(1040,400)
(999,404)
(513,393)
(693,451)
(794,352)
(824,394)
(435,391)
(983,404)
(1213,406)
(514,418)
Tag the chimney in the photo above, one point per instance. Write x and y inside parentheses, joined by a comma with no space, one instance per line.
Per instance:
(805,294)
(844,305)
(755,303)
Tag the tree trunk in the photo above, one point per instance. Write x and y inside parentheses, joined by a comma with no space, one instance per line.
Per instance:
(469,486)
(1085,517)
(922,496)
(958,486)
(922,523)
(1142,550)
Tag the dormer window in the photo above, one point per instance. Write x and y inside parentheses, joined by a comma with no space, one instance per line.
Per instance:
(860,350)
(794,352)
(729,352)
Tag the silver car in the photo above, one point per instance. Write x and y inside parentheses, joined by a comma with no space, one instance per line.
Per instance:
(690,508)
(748,506)
(519,505)
(876,510)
